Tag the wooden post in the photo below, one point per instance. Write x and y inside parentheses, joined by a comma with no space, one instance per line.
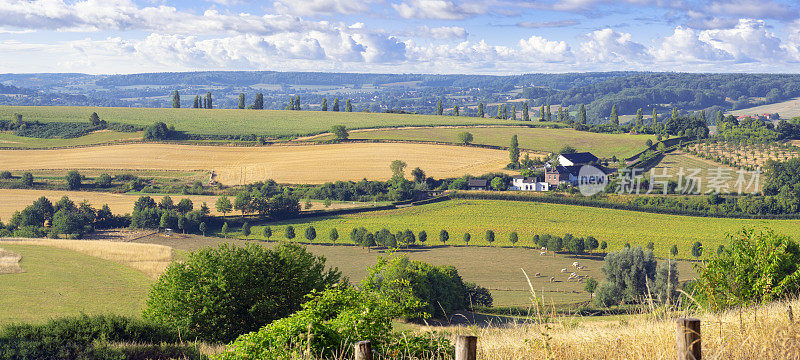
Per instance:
(466,347)
(688,338)
(791,315)
(363,350)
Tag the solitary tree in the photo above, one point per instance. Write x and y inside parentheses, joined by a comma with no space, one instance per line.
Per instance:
(348,106)
(513,150)
(639,118)
(467,238)
(455,110)
(513,237)
(176,100)
(225,230)
(94,119)
(209,101)
(439,109)
(311,233)
(513,112)
(340,132)
(267,232)
(591,285)
(203,228)
(258,104)
(422,237)
(697,249)
(655,119)
(525,115)
(224,205)
(465,138)
(27,180)
(614,118)
(334,235)
(324,105)
(489,236)
(444,236)
(246,229)
(241,100)
(582,115)
(73,180)
(289,232)
(480,110)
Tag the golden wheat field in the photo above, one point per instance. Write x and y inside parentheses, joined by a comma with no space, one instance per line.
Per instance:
(763,332)
(310,164)
(12,200)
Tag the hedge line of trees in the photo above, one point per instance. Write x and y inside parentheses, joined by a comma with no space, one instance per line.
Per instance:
(61,130)
(64,218)
(147,214)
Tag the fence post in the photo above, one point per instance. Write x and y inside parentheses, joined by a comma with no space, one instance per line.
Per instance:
(466,347)
(688,339)
(363,350)
(791,314)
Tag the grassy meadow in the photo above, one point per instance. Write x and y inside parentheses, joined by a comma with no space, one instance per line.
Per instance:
(499,269)
(536,139)
(786,109)
(100,137)
(308,164)
(236,121)
(672,163)
(58,282)
(616,227)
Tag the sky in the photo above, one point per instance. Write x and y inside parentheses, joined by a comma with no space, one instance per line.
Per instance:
(400,36)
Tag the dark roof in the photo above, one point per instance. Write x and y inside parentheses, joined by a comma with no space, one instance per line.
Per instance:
(477,183)
(580,158)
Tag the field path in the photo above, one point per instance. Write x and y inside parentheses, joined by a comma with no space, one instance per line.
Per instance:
(312,164)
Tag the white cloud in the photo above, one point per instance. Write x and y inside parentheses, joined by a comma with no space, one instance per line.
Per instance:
(547,24)
(538,48)
(610,46)
(748,41)
(751,8)
(439,9)
(442,32)
(322,7)
(684,45)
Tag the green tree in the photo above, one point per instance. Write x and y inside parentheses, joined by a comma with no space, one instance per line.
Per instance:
(203,228)
(655,119)
(289,233)
(104,180)
(209,101)
(614,118)
(444,236)
(548,113)
(513,237)
(582,115)
(157,131)
(258,104)
(591,243)
(465,138)
(336,104)
(422,237)
(224,205)
(225,230)
(185,206)
(649,143)
(481,113)
(439,109)
(267,232)
(674,250)
(541,113)
(513,112)
(590,286)
(246,229)
(182,224)
(190,295)
(525,114)
(419,175)
(241,101)
(639,118)
(73,180)
(176,99)
(398,169)
(311,233)
(489,236)
(697,249)
(603,245)
(196,103)
(500,112)
(455,110)
(628,273)
(348,106)
(242,202)
(324,105)
(513,150)
(94,119)
(333,236)
(467,238)
(340,132)
(498,184)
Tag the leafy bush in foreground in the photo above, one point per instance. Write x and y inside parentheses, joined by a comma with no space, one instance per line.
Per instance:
(335,319)
(757,266)
(219,294)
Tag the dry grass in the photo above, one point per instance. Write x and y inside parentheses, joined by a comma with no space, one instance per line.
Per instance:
(9,262)
(311,164)
(12,200)
(148,258)
(757,333)
(786,109)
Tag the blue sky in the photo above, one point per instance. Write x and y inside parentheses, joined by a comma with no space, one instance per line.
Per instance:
(399,36)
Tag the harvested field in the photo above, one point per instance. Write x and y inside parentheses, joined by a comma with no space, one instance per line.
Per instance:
(786,109)
(9,262)
(312,164)
(150,259)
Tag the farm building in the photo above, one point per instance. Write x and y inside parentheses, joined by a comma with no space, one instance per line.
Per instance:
(581,158)
(477,184)
(521,183)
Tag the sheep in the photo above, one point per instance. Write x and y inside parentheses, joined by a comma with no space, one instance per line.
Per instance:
(575,264)
(573,275)
(552,279)
(564,270)
(538,275)
(544,248)
(543,253)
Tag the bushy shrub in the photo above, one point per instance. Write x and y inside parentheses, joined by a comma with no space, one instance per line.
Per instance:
(628,273)
(85,337)
(335,319)
(755,267)
(478,296)
(211,297)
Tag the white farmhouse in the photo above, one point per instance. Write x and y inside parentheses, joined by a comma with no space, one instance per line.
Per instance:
(521,183)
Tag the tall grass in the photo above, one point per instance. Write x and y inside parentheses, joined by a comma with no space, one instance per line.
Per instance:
(150,259)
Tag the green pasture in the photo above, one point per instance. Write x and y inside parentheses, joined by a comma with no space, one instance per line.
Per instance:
(101,137)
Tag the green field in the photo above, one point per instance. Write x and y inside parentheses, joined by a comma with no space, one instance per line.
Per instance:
(499,269)
(539,139)
(672,164)
(616,227)
(101,137)
(236,121)
(59,282)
